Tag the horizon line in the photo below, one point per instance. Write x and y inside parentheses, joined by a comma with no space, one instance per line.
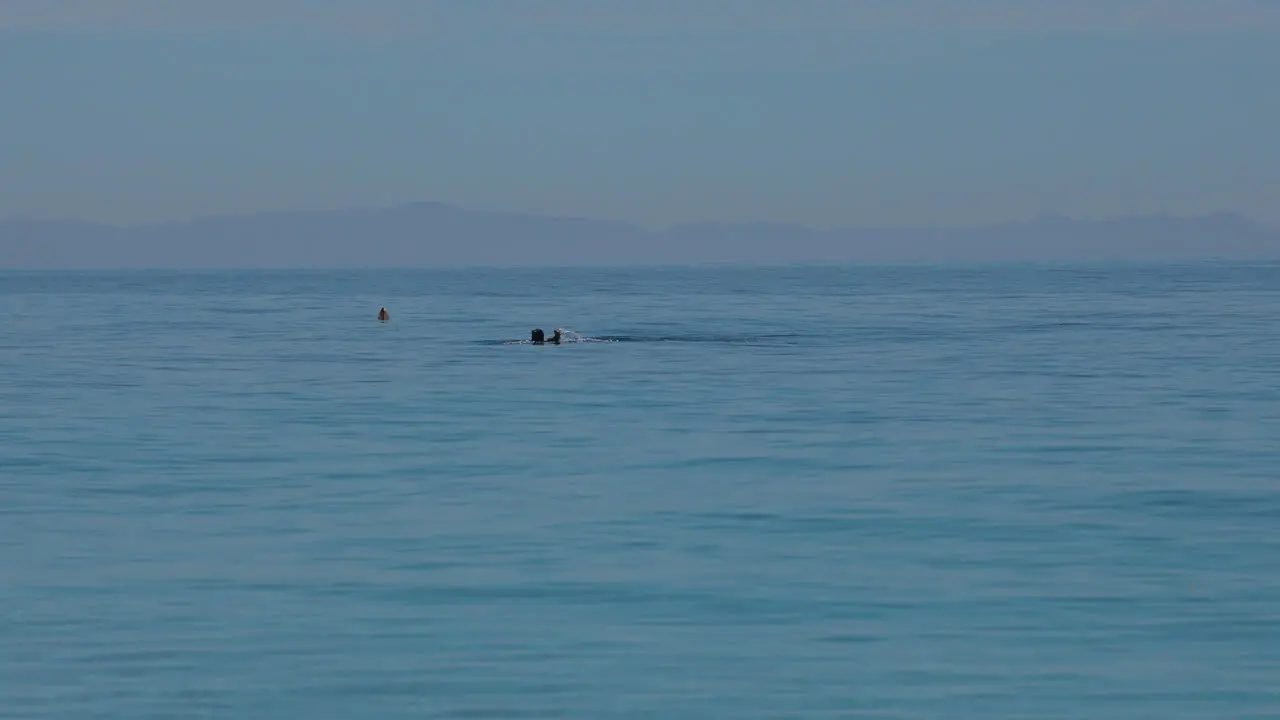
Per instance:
(689,265)
(1042,216)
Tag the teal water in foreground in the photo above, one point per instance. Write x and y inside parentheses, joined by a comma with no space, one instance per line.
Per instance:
(1001,492)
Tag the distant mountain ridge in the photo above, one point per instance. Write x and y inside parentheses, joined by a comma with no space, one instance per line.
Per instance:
(436,235)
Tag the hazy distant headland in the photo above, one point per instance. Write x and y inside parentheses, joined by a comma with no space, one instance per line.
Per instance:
(439,235)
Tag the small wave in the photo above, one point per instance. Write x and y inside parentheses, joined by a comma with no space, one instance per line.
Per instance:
(567,337)
(714,338)
(244,311)
(570,337)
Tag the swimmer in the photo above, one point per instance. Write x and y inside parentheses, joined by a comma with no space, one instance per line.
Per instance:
(537,337)
(383,315)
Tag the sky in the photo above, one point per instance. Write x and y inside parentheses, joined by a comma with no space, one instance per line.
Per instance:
(819,112)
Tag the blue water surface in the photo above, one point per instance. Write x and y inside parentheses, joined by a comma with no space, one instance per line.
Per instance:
(966,492)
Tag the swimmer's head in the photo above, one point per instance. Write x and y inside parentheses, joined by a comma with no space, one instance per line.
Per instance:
(537,335)
(383,314)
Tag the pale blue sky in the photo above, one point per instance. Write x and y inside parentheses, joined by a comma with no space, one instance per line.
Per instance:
(824,112)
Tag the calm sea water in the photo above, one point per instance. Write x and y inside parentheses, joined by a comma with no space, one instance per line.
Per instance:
(786,493)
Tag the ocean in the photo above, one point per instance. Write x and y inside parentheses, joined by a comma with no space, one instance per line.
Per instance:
(1018,491)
